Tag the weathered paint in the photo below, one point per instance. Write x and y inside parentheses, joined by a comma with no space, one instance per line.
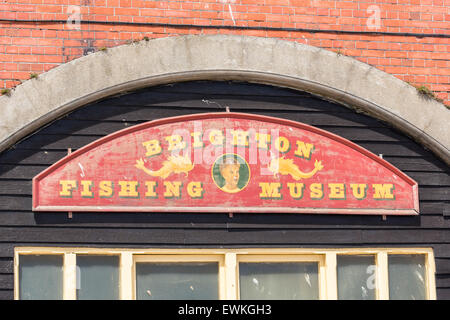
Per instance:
(173,164)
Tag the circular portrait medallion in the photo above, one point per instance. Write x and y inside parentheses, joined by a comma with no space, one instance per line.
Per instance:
(230,173)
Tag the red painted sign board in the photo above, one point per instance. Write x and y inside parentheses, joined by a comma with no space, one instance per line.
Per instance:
(225,162)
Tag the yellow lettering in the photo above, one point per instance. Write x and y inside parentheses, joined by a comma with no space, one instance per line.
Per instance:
(383,191)
(106,189)
(175,142)
(304,150)
(67,186)
(359,190)
(263,140)
(216,137)
(152,148)
(198,143)
(150,189)
(128,189)
(316,191)
(296,190)
(240,138)
(173,189)
(86,189)
(270,190)
(282,144)
(337,191)
(195,189)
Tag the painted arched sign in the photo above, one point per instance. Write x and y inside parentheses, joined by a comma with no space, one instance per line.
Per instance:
(225,162)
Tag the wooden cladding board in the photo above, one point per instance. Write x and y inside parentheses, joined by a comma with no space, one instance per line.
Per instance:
(19,226)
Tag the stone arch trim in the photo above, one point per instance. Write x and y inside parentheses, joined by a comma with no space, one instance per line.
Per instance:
(221,57)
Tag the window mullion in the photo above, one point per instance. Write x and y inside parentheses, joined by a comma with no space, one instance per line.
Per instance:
(70,277)
(126,276)
(323,281)
(382,279)
(331,276)
(231,291)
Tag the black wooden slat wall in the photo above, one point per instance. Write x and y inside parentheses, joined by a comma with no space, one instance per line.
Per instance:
(19,226)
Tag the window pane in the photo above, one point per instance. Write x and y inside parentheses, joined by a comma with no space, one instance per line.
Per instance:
(278,281)
(40,277)
(97,277)
(177,281)
(407,277)
(356,277)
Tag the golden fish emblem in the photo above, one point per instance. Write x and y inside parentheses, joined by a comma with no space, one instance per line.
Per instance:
(173,164)
(286,166)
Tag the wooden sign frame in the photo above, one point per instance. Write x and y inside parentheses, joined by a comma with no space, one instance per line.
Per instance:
(313,171)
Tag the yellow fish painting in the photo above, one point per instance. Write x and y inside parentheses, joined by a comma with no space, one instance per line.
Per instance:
(286,166)
(174,164)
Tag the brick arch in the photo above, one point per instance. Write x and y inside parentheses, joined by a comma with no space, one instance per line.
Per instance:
(218,57)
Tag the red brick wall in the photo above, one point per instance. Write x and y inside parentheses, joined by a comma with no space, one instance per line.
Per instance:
(27,48)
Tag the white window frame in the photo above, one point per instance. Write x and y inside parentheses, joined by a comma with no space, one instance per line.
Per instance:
(228,260)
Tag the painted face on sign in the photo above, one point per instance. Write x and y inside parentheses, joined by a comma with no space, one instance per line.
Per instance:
(230,173)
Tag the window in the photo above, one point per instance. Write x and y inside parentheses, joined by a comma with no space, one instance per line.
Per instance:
(356,277)
(279,277)
(177,277)
(41,277)
(97,277)
(407,277)
(258,274)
